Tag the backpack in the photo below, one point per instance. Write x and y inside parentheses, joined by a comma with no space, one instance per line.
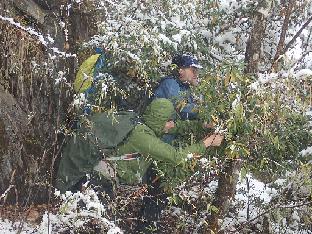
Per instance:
(109,130)
(106,86)
(98,136)
(88,71)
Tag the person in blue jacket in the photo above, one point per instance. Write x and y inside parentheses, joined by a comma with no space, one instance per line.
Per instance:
(176,86)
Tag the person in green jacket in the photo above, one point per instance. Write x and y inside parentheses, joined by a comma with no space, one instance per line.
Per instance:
(144,141)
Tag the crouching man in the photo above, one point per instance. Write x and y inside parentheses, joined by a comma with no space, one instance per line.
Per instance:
(134,155)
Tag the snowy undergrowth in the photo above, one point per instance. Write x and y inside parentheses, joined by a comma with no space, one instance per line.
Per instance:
(76,213)
(282,205)
(250,192)
(258,205)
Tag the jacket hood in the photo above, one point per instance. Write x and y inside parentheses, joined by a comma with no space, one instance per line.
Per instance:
(157,114)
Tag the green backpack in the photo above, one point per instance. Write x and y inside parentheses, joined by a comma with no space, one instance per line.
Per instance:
(111,129)
(97,138)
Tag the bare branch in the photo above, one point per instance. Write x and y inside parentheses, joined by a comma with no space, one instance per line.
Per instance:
(289,44)
(4,195)
(281,43)
(300,59)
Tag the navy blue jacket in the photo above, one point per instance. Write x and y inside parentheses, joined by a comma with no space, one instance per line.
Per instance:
(172,88)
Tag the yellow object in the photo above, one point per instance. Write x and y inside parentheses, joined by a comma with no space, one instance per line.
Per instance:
(181,105)
(84,76)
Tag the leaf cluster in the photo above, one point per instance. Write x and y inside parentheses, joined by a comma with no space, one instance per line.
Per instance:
(264,123)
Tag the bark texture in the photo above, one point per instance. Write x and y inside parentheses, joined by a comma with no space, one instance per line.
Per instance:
(254,43)
(224,193)
(28,109)
(32,106)
(281,44)
(229,176)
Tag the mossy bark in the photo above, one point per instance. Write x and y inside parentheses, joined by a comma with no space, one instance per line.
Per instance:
(29,105)
(32,106)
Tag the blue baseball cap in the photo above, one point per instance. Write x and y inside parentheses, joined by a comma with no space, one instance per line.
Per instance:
(186,60)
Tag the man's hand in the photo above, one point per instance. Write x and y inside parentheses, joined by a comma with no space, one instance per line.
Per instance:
(208,125)
(213,140)
(169,124)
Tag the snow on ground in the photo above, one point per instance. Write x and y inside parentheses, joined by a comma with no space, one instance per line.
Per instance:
(7,227)
(250,192)
(48,224)
(247,190)
(74,213)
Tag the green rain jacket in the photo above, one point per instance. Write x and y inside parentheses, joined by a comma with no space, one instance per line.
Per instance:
(144,139)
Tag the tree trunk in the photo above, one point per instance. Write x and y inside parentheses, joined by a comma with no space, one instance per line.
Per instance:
(32,106)
(281,44)
(254,43)
(229,176)
(224,193)
(30,115)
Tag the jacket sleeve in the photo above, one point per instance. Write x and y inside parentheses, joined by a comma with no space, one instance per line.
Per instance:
(147,144)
